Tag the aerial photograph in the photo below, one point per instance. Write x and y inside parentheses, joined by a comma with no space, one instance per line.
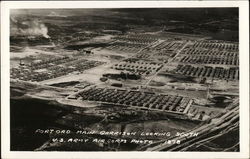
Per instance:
(124,79)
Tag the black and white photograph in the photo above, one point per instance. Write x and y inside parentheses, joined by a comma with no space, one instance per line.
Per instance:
(125,79)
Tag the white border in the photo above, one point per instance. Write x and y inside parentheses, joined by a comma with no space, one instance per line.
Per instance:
(244,77)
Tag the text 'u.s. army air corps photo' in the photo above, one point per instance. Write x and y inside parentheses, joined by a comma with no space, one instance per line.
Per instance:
(125,78)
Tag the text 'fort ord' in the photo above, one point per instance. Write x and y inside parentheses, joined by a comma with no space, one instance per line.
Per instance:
(115,133)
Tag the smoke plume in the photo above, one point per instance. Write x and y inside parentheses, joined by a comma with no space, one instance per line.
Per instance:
(28,28)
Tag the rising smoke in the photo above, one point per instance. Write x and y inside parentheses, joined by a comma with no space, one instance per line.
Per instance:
(28,28)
